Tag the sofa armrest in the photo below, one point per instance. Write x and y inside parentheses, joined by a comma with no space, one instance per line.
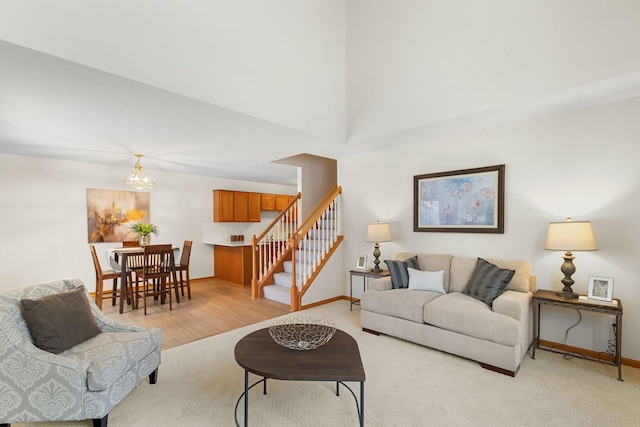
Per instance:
(514,304)
(16,347)
(381,284)
(106,324)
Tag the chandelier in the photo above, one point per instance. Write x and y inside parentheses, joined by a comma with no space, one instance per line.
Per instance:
(139,178)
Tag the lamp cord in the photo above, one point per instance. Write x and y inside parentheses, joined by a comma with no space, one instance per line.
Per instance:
(566,334)
(611,343)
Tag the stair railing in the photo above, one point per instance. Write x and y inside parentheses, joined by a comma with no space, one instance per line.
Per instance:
(270,247)
(313,243)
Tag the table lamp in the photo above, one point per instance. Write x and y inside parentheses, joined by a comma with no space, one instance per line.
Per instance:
(570,236)
(378,232)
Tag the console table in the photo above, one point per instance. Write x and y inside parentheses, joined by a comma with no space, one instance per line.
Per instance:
(365,276)
(544,297)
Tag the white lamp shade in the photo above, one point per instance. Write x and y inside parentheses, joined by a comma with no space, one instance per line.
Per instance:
(378,232)
(571,236)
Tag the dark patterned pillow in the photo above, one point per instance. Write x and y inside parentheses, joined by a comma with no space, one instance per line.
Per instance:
(399,273)
(488,281)
(60,321)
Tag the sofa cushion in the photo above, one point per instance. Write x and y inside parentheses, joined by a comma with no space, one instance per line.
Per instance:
(431,262)
(399,273)
(402,303)
(462,269)
(520,280)
(488,281)
(59,321)
(426,280)
(463,314)
(111,354)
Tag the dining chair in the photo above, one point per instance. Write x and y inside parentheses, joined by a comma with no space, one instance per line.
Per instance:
(101,276)
(130,243)
(155,275)
(184,267)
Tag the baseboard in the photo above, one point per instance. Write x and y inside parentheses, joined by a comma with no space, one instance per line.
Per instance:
(317,303)
(590,353)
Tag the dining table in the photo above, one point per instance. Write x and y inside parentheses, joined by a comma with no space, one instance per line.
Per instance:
(117,258)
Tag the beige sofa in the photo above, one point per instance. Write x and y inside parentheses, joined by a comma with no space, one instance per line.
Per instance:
(497,336)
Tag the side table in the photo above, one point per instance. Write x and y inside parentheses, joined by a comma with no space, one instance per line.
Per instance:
(544,297)
(366,275)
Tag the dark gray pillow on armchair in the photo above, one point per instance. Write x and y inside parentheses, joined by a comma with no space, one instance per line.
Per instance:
(488,281)
(399,273)
(60,321)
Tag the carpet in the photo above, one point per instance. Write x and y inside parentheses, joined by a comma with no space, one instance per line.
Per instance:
(407,385)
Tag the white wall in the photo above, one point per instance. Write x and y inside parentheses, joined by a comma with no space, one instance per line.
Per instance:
(230,53)
(43,219)
(413,63)
(582,164)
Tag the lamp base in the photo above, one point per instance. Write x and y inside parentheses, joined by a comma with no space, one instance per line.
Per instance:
(376,258)
(567,294)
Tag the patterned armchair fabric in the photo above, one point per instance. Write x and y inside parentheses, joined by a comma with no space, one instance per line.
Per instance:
(84,382)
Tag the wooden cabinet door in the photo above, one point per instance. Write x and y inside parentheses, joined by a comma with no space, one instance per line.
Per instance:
(242,206)
(268,202)
(223,206)
(254,207)
(281,202)
(233,264)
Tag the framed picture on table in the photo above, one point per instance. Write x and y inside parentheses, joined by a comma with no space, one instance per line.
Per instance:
(600,288)
(361,264)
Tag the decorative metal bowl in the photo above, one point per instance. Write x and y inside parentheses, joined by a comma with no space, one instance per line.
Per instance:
(306,333)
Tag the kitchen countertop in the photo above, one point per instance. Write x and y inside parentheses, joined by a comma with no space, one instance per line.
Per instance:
(231,244)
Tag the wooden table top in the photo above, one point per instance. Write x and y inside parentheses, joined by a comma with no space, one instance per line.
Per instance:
(337,360)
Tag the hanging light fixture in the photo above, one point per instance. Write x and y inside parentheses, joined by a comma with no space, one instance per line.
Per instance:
(139,178)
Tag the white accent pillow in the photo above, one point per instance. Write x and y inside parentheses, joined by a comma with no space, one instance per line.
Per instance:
(426,280)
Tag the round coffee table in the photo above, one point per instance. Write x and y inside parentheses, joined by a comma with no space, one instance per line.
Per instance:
(338,360)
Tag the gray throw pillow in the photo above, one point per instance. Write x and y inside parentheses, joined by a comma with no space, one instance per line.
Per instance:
(60,321)
(488,281)
(399,273)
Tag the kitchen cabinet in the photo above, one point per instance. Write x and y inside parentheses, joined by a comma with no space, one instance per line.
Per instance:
(268,202)
(233,263)
(236,206)
(223,205)
(281,202)
(247,207)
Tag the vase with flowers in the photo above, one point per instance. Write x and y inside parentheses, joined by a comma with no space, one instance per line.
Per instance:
(144,232)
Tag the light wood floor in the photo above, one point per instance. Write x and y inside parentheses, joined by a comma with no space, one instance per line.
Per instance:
(215,307)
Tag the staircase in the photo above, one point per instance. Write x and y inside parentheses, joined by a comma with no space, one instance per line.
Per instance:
(283,274)
(309,249)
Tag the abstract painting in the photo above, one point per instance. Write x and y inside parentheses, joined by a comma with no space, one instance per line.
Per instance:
(469,201)
(111,212)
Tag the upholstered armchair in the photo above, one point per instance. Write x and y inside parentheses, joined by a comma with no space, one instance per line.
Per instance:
(83,382)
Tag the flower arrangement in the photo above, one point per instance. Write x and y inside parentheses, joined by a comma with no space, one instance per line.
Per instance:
(144,229)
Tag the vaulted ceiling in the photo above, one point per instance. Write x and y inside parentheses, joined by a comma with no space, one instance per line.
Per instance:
(228,87)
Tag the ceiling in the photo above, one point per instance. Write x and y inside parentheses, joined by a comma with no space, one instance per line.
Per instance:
(227,88)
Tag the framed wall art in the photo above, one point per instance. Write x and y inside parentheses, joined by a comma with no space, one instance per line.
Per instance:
(111,212)
(462,201)
(600,288)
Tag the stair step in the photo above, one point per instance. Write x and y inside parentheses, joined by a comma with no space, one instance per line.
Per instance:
(284,279)
(288,266)
(315,244)
(277,293)
(319,232)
